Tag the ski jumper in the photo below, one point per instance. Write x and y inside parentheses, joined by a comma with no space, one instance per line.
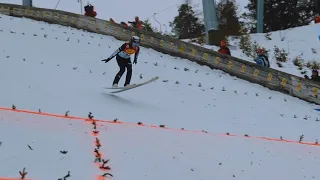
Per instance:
(123,54)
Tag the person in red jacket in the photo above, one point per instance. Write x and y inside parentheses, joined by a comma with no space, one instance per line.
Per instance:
(137,23)
(223,48)
(121,23)
(89,11)
(111,20)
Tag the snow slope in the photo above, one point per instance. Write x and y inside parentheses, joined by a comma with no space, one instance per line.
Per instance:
(142,153)
(58,69)
(297,42)
(46,136)
(295,39)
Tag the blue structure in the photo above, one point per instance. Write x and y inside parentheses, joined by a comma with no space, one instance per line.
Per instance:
(27,3)
(260,9)
(210,16)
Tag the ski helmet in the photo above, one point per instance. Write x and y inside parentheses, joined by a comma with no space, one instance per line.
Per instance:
(260,51)
(223,43)
(135,41)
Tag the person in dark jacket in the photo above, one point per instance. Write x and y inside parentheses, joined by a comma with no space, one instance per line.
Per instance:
(89,11)
(123,54)
(223,48)
(262,58)
(315,76)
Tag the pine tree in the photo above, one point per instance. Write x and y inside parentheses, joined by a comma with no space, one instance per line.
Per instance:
(281,14)
(147,25)
(228,18)
(186,24)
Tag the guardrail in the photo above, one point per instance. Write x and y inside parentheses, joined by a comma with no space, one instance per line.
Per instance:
(273,79)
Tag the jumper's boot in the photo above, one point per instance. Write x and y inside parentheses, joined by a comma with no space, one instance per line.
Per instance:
(128,85)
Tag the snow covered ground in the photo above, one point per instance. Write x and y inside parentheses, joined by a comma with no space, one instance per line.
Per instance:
(295,43)
(143,153)
(38,143)
(58,69)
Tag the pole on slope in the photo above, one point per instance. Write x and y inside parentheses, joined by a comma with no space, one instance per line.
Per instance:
(260,12)
(80,6)
(27,3)
(154,17)
(210,17)
(316,5)
(57,4)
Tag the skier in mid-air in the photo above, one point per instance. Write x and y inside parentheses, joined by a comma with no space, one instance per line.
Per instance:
(123,54)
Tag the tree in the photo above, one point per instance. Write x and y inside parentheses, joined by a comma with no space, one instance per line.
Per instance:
(228,18)
(186,24)
(281,14)
(146,25)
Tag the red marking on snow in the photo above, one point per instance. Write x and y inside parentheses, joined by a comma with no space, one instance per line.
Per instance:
(96,143)
(154,126)
(101,178)
(6,178)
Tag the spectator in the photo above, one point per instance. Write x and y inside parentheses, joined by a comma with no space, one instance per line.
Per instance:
(262,59)
(137,23)
(223,48)
(111,20)
(315,76)
(89,11)
(121,23)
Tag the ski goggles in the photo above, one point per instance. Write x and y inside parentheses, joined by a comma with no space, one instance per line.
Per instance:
(135,44)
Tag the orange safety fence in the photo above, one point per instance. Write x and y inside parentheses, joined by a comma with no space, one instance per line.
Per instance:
(159,127)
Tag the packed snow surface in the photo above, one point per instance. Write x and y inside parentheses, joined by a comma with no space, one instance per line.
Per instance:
(58,69)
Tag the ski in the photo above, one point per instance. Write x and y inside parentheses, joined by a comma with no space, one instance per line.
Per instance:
(113,87)
(135,85)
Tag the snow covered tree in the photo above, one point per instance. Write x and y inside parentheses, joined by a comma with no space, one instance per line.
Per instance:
(186,24)
(147,25)
(281,14)
(228,18)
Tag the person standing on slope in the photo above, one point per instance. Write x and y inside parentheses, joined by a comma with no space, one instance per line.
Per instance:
(136,23)
(315,76)
(223,48)
(123,54)
(89,11)
(262,58)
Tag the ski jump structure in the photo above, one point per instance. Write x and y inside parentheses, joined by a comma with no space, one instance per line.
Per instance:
(270,78)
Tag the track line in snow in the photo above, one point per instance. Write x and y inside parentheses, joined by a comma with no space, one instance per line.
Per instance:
(160,127)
